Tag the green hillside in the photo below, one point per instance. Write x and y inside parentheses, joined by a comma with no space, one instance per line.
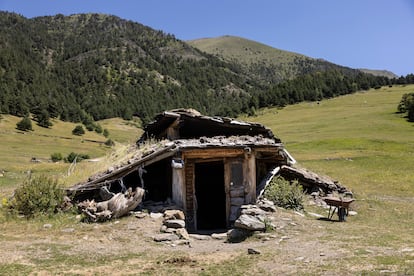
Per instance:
(359,139)
(384,73)
(101,66)
(262,62)
(30,152)
(244,50)
(87,67)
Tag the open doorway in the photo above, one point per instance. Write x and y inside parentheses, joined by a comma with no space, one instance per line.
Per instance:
(156,180)
(211,196)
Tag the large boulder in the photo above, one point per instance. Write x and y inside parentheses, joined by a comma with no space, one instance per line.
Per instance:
(238,235)
(249,222)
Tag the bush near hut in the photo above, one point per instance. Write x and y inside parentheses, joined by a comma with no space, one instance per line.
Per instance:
(285,194)
(37,195)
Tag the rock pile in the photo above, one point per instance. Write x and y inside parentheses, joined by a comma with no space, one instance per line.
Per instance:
(173,228)
(253,218)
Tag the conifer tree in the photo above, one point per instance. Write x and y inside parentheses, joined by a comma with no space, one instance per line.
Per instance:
(43,119)
(25,124)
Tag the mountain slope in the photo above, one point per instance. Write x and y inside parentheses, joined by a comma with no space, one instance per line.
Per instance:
(268,64)
(100,66)
(87,67)
(382,73)
(260,61)
(244,51)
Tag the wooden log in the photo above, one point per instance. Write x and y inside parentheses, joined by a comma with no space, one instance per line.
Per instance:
(119,205)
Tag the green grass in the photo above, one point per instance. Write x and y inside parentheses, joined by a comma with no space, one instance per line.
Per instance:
(361,141)
(15,269)
(357,139)
(17,148)
(123,131)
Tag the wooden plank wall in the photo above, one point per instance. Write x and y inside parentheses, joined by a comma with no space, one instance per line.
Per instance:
(179,187)
(189,194)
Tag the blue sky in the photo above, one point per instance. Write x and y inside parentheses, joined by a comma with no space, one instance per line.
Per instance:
(375,34)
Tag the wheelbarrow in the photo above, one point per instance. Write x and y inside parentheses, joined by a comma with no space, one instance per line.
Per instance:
(339,204)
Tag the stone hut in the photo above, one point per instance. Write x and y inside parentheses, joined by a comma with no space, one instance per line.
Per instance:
(207,166)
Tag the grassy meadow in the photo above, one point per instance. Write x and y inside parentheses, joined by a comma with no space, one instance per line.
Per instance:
(361,141)
(357,139)
(17,148)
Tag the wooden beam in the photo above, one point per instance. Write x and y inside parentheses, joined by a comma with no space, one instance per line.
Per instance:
(123,171)
(206,153)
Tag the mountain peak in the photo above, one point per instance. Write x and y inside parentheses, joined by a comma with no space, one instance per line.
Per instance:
(262,62)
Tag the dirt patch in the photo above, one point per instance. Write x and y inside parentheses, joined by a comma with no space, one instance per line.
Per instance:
(128,235)
(297,245)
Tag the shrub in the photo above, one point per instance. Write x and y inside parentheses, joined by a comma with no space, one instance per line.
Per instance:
(78,156)
(268,225)
(285,194)
(109,143)
(57,156)
(90,127)
(406,102)
(105,133)
(4,202)
(406,105)
(98,128)
(37,195)
(78,130)
(25,124)
(43,118)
